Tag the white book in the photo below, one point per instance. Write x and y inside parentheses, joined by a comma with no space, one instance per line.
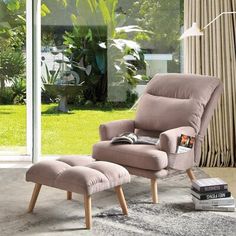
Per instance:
(215,208)
(209,184)
(182,149)
(214,202)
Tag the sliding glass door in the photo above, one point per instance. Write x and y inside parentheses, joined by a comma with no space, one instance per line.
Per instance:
(96,59)
(86,63)
(13,81)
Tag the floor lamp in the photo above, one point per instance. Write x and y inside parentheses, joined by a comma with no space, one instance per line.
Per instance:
(195,29)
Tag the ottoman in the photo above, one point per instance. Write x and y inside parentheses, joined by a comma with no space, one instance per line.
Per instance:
(81,175)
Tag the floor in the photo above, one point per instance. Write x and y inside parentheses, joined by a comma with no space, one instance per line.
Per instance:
(227,174)
(54,215)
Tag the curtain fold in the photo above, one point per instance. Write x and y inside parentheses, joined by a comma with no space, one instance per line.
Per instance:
(215,54)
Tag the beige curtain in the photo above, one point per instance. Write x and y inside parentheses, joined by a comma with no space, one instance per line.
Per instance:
(215,54)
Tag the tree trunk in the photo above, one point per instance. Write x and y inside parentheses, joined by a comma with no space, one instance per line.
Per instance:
(101,89)
(2,83)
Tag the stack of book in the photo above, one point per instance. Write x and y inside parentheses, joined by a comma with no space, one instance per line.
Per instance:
(212,194)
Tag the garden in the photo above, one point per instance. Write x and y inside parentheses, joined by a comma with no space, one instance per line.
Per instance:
(86,76)
(62,133)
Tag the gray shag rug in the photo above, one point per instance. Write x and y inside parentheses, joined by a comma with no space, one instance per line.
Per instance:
(54,215)
(165,219)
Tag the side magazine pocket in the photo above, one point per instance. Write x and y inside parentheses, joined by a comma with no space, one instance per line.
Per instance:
(181,161)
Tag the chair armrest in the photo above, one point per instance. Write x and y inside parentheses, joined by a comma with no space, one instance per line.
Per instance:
(109,130)
(169,139)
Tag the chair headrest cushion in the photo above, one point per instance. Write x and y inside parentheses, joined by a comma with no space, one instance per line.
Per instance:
(174,100)
(185,86)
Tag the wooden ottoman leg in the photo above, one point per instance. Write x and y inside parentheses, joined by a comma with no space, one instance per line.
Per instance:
(34,197)
(121,199)
(87,209)
(154,190)
(69,195)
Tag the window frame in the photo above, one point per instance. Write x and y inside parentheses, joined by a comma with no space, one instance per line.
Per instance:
(33,78)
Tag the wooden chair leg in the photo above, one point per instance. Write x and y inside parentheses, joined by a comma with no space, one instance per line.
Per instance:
(87,209)
(34,197)
(190,174)
(69,195)
(154,190)
(121,198)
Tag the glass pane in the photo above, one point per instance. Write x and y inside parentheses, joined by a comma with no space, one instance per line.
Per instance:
(12,78)
(97,57)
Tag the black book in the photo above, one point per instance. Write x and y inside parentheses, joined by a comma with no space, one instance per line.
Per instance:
(210,195)
(209,184)
(131,138)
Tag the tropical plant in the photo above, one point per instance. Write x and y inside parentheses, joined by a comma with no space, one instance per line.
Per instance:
(84,52)
(19,90)
(12,65)
(88,46)
(123,51)
(13,24)
(12,41)
(51,76)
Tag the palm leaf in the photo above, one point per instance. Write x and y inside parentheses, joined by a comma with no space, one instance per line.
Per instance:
(105,11)
(48,74)
(56,75)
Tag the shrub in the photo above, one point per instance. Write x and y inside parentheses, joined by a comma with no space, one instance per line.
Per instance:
(12,65)
(6,96)
(19,90)
(131,98)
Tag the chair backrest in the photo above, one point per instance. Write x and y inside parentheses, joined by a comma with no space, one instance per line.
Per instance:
(174,100)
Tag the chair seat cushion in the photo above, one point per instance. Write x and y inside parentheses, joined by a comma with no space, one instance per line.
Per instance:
(140,156)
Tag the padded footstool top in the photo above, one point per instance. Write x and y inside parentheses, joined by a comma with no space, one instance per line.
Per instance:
(81,175)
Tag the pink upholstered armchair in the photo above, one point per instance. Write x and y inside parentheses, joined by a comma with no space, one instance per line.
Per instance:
(172,104)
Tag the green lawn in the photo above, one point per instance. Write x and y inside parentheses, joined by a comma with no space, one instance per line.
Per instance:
(12,125)
(72,133)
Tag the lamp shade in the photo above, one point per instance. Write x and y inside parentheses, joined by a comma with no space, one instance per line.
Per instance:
(192,31)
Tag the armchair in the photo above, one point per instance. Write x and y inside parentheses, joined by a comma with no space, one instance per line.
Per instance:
(172,104)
